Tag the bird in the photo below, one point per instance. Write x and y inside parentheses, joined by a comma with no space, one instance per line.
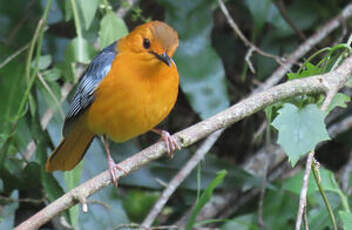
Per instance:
(126,90)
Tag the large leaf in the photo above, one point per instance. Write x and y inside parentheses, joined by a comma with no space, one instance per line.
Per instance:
(200,68)
(112,28)
(346,219)
(88,10)
(79,50)
(8,211)
(294,184)
(12,87)
(260,11)
(300,130)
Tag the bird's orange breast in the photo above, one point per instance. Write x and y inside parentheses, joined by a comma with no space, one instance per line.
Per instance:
(136,95)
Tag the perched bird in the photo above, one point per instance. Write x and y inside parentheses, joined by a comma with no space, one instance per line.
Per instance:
(128,88)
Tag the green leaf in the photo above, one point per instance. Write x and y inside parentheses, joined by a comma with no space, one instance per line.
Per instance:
(112,28)
(12,86)
(245,222)
(68,10)
(52,74)
(72,179)
(79,50)
(43,62)
(201,70)
(346,219)
(8,211)
(138,203)
(260,11)
(339,100)
(88,10)
(294,184)
(300,130)
(309,70)
(204,198)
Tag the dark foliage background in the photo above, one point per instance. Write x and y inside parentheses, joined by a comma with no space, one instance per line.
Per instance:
(214,74)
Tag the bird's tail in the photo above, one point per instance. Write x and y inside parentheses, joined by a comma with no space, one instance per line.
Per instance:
(71,149)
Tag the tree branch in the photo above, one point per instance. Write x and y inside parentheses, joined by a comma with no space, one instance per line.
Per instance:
(187,137)
(180,177)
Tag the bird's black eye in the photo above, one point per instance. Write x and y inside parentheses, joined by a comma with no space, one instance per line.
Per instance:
(146,43)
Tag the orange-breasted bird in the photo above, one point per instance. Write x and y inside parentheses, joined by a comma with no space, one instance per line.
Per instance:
(127,89)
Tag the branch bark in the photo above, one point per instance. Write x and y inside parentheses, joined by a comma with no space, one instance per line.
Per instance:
(186,137)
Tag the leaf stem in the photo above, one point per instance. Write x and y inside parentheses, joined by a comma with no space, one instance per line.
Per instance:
(317,178)
(37,38)
(76,19)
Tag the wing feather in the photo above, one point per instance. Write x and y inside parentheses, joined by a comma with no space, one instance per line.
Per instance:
(84,95)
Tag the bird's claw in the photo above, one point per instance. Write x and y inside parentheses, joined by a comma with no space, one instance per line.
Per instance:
(113,168)
(170,143)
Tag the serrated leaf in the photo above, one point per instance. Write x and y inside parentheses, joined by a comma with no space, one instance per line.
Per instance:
(112,28)
(88,10)
(309,70)
(300,130)
(339,100)
(346,219)
(201,70)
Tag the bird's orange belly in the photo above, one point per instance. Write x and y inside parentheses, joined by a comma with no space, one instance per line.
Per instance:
(125,109)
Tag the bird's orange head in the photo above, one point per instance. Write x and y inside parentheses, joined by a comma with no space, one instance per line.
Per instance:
(155,41)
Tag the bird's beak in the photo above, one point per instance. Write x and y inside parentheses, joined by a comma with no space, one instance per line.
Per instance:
(163,57)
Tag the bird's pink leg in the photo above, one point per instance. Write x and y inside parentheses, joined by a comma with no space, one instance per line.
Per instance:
(113,167)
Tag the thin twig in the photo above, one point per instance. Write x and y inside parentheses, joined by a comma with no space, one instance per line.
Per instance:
(187,137)
(180,176)
(306,46)
(14,55)
(285,169)
(281,6)
(52,94)
(23,200)
(333,88)
(317,178)
(237,30)
(48,114)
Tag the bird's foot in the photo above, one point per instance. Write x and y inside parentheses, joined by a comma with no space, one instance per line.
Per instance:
(113,168)
(170,142)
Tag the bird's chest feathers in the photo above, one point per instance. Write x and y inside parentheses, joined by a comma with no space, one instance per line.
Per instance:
(132,99)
